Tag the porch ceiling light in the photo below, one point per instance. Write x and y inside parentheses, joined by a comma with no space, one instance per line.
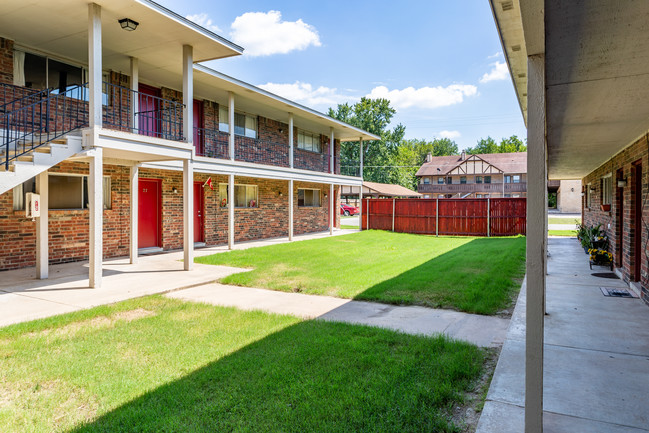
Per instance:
(128,24)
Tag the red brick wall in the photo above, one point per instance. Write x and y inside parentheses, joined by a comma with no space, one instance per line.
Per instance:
(68,231)
(6,61)
(622,240)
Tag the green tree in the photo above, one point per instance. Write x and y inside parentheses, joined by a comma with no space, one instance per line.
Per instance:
(489,145)
(374,116)
(411,154)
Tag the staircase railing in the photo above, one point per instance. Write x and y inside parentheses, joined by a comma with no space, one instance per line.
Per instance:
(43,121)
(14,97)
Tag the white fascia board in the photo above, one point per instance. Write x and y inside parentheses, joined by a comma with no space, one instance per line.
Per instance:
(129,142)
(247,169)
(298,107)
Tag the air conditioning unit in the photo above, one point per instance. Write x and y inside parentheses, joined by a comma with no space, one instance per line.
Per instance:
(32,205)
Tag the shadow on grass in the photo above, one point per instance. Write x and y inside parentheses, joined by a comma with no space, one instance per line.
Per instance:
(479,277)
(311,376)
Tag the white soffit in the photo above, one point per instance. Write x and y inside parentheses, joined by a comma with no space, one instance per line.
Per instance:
(60,28)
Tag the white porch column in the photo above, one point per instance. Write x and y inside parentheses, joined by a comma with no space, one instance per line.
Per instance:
(134,173)
(135,97)
(230,211)
(96,211)
(290,210)
(94,65)
(231,124)
(332,211)
(290,140)
(360,194)
(42,230)
(332,150)
(188,94)
(536,242)
(188,214)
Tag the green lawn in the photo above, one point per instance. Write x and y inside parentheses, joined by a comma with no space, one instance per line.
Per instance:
(159,365)
(556,220)
(348,227)
(562,233)
(477,275)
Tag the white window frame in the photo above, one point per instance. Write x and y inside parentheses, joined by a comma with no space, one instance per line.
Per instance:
(319,195)
(315,143)
(254,189)
(607,189)
(426,180)
(250,128)
(589,198)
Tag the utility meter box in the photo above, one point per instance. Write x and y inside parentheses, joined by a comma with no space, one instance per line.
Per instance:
(32,205)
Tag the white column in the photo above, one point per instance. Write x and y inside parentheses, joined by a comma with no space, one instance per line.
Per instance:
(290,140)
(188,95)
(94,65)
(135,96)
(332,211)
(536,242)
(96,211)
(332,150)
(231,124)
(360,194)
(290,210)
(231,211)
(188,214)
(42,231)
(134,213)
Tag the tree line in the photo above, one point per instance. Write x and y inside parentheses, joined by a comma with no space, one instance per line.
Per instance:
(393,159)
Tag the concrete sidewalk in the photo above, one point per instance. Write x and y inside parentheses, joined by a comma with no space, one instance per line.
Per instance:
(23,297)
(484,331)
(596,355)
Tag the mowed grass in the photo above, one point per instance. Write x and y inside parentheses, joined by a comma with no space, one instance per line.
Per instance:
(556,220)
(348,227)
(160,365)
(572,233)
(476,275)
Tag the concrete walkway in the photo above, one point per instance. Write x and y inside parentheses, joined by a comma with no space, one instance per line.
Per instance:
(23,297)
(484,331)
(596,355)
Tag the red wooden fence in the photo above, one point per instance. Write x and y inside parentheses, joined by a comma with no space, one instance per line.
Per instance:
(447,216)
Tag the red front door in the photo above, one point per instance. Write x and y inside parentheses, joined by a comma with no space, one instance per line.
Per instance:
(149,213)
(198,212)
(149,116)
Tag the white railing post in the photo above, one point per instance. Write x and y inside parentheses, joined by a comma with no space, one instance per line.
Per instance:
(291,147)
(135,96)
(231,125)
(94,66)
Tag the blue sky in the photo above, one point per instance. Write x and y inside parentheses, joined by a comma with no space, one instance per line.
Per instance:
(439,63)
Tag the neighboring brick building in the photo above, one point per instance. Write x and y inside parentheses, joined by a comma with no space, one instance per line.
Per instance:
(141,146)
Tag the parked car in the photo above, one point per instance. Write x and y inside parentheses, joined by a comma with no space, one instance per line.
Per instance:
(347,210)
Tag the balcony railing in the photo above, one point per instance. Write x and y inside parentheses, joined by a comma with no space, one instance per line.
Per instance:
(211,143)
(261,151)
(471,187)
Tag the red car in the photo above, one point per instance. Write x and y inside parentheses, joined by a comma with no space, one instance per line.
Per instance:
(347,210)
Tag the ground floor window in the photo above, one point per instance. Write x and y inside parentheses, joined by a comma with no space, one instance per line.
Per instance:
(65,192)
(308,197)
(245,196)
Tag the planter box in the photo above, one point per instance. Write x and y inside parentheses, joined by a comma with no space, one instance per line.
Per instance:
(605,207)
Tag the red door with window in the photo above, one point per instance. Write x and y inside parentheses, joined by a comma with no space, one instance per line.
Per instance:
(149,116)
(149,213)
(199,138)
(198,212)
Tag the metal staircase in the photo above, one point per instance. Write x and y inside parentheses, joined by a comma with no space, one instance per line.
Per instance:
(38,131)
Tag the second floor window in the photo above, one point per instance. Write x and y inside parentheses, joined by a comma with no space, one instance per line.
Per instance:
(462,179)
(487,179)
(478,179)
(309,141)
(426,180)
(244,124)
(440,180)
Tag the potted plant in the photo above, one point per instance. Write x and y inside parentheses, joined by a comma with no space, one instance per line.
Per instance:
(600,257)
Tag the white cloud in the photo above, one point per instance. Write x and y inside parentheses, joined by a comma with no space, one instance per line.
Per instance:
(264,33)
(204,20)
(493,56)
(306,94)
(425,97)
(498,72)
(450,134)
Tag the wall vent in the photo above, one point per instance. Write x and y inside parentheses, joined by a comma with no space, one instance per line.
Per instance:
(516,47)
(507,6)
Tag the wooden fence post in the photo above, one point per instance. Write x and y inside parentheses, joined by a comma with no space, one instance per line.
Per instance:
(437,217)
(488,215)
(393,200)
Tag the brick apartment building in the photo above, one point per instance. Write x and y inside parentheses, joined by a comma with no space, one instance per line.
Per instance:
(134,146)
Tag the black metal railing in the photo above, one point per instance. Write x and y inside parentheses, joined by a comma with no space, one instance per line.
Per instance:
(155,116)
(211,143)
(14,97)
(43,121)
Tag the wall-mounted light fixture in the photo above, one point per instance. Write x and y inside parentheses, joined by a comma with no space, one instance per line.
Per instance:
(621,183)
(128,24)
(281,130)
(174,190)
